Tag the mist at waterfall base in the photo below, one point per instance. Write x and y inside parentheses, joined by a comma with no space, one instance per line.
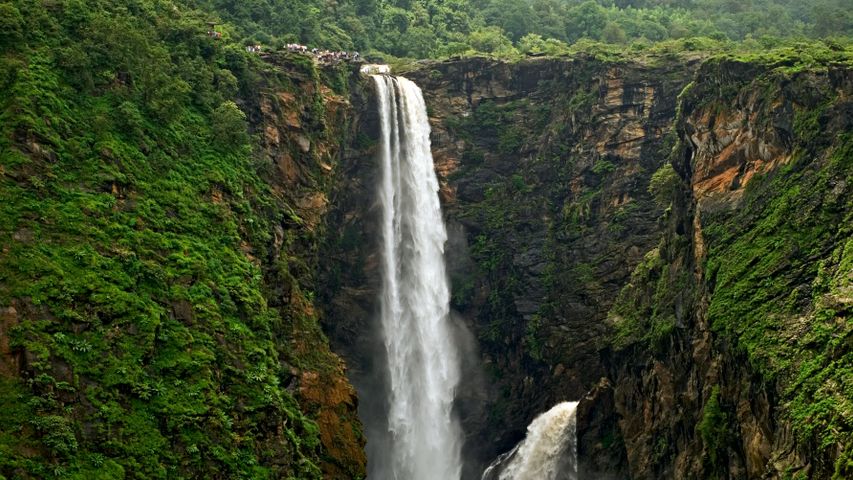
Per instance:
(548,452)
(419,437)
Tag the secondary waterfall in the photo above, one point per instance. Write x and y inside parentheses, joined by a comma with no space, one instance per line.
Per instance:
(423,362)
(548,452)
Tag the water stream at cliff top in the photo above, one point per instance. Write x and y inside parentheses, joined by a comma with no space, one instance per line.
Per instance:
(424,437)
(548,452)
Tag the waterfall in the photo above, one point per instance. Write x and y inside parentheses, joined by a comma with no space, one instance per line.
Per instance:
(423,362)
(548,452)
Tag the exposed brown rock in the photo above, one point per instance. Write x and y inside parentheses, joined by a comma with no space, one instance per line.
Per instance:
(302,146)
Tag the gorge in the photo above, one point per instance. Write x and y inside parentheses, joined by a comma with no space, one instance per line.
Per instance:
(577,259)
(266,275)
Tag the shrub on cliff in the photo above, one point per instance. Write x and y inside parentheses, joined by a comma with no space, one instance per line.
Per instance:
(663,184)
(229,125)
(714,428)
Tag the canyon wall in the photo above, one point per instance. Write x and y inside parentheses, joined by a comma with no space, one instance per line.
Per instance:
(732,348)
(546,165)
(611,240)
(157,279)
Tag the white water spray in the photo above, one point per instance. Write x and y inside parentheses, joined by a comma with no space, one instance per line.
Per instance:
(548,452)
(423,360)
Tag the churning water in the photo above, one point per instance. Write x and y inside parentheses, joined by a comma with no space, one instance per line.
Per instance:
(423,361)
(549,452)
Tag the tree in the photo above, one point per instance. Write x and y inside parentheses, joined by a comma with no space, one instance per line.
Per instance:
(418,42)
(491,40)
(586,20)
(229,125)
(613,33)
(11,24)
(515,18)
(831,19)
(531,43)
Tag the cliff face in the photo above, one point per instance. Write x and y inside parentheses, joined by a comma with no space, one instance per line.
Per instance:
(750,375)
(157,318)
(304,124)
(669,246)
(545,167)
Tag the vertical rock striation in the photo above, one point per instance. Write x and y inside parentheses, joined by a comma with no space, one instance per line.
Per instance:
(744,372)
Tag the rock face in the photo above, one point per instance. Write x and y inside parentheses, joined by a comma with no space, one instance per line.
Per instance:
(350,275)
(546,165)
(739,377)
(669,247)
(304,131)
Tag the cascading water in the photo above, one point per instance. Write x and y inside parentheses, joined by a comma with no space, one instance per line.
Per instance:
(548,452)
(423,362)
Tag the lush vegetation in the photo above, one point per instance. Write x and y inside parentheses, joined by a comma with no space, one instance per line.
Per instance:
(132,214)
(156,333)
(437,28)
(778,262)
(781,272)
(715,429)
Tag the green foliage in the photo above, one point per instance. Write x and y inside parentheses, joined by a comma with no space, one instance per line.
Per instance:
(807,123)
(132,216)
(715,428)
(11,25)
(502,28)
(510,140)
(582,100)
(586,20)
(491,40)
(794,56)
(603,167)
(229,125)
(533,338)
(645,309)
(57,434)
(844,465)
(663,184)
(534,44)
(613,33)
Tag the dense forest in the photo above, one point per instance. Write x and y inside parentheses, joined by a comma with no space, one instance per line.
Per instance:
(439,28)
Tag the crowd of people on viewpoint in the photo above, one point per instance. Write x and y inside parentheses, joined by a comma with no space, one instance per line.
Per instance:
(325,56)
(322,56)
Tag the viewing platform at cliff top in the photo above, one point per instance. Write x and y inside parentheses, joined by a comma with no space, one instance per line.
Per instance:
(324,56)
